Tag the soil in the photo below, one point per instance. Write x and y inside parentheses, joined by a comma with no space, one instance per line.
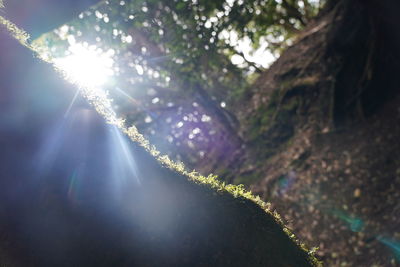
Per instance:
(338,190)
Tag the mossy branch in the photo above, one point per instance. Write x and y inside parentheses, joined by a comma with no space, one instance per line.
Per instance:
(102,104)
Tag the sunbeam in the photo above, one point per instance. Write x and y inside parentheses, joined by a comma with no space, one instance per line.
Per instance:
(124,164)
(134,101)
(50,146)
(71,104)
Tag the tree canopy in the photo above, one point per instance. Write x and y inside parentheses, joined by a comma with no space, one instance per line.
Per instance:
(180,68)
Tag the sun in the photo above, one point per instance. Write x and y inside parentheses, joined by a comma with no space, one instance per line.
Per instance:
(86,65)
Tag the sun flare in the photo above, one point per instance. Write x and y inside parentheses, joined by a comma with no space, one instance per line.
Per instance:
(87,65)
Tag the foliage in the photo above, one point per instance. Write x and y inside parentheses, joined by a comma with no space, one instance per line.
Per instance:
(173,60)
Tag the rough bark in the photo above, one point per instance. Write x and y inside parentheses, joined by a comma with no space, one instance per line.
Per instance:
(321,127)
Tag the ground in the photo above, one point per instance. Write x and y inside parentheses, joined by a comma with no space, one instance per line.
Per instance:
(339,192)
(321,130)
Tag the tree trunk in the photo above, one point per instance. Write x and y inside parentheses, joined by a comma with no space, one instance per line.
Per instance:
(321,128)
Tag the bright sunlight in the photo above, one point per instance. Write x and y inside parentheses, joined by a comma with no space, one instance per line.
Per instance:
(87,65)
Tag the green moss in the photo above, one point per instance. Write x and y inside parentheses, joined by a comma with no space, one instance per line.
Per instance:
(297,82)
(263,118)
(286,85)
(16,32)
(291,104)
(308,81)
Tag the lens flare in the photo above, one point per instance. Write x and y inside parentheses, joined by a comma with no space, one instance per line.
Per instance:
(393,245)
(73,186)
(355,224)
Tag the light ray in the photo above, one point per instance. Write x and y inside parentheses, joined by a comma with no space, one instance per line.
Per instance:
(71,104)
(134,101)
(126,166)
(49,149)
